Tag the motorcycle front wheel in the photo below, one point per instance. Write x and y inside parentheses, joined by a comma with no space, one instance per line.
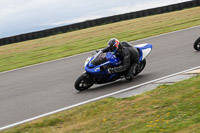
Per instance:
(83,82)
(197,44)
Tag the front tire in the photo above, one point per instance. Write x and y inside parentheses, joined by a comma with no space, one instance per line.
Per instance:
(197,44)
(83,82)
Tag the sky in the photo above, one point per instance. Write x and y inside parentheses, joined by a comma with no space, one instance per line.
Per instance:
(23,16)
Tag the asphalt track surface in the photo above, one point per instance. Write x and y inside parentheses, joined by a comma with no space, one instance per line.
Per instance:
(42,88)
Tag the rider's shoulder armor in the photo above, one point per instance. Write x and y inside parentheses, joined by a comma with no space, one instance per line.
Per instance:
(125,44)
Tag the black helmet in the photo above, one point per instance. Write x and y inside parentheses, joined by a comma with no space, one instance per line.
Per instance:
(113,43)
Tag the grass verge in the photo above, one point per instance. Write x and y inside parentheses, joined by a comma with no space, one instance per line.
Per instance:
(167,109)
(45,49)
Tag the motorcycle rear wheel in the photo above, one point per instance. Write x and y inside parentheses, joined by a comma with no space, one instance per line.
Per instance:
(197,44)
(83,82)
(140,67)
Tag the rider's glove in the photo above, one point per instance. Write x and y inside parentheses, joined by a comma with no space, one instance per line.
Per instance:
(111,70)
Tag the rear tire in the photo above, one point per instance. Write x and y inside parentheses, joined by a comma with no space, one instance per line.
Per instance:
(140,67)
(197,44)
(83,82)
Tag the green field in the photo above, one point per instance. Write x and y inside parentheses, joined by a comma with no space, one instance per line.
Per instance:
(166,109)
(62,45)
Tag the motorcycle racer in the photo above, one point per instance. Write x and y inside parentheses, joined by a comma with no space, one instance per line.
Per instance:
(129,55)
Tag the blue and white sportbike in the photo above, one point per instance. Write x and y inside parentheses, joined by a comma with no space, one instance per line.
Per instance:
(96,67)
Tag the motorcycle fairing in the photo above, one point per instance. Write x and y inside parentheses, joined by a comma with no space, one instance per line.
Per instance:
(99,60)
(144,50)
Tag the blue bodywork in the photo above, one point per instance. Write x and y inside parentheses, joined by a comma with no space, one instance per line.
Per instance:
(141,48)
(110,59)
(98,64)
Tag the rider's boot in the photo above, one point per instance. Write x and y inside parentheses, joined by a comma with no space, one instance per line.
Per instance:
(131,72)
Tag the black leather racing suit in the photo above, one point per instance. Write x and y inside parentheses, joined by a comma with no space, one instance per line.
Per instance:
(130,58)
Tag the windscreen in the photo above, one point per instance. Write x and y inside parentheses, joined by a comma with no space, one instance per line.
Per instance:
(99,59)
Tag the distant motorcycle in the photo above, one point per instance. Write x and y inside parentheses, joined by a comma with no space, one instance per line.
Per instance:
(197,44)
(96,67)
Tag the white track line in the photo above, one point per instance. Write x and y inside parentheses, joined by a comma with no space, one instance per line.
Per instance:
(93,51)
(94,99)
